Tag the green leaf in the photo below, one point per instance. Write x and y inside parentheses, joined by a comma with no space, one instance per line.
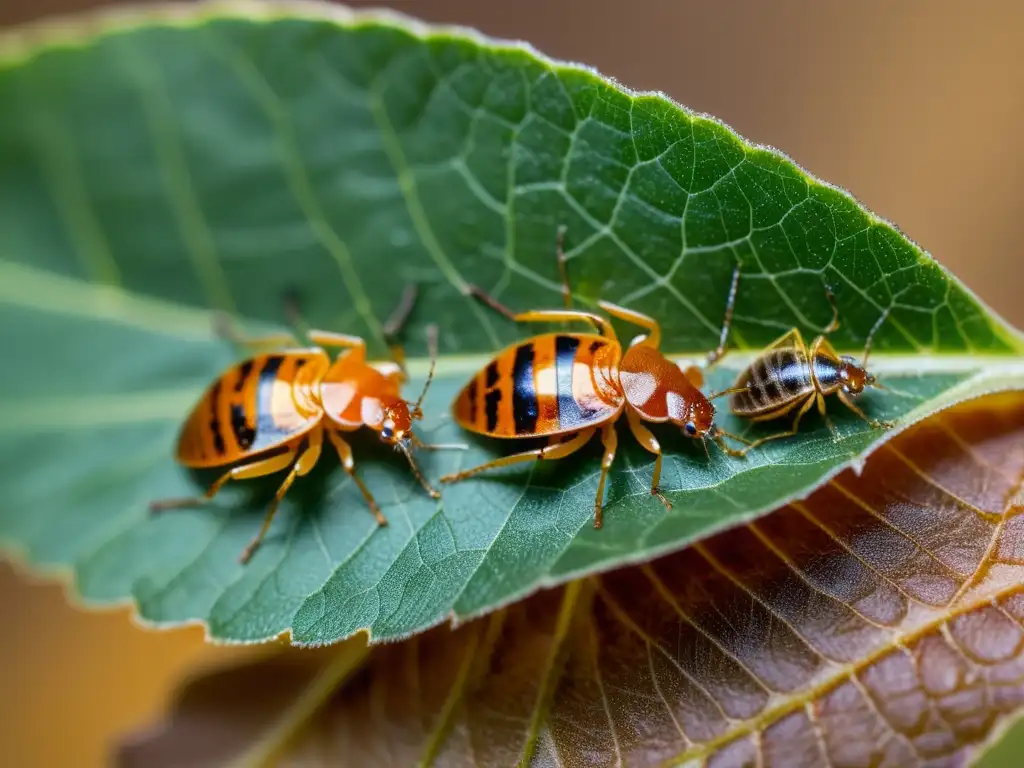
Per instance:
(1005,747)
(880,622)
(157,164)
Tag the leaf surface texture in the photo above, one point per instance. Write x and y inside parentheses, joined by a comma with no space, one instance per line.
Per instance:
(160,166)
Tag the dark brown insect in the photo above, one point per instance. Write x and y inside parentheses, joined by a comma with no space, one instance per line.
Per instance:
(790,376)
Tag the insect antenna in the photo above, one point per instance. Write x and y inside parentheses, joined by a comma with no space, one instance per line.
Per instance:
(871,336)
(437,446)
(723,336)
(417,412)
(894,390)
(392,327)
(729,391)
(417,407)
(416,471)
(833,324)
(719,435)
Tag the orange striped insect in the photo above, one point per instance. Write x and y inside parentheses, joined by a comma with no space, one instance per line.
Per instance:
(570,386)
(270,413)
(790,376)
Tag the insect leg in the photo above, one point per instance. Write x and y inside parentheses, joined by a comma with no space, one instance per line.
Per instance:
(856,409)
(563,273)
(723,337)
(244,472)
(819,349)
(306,462)
(790,339)
(226,329)
(811,399)
(823,410)
(547,453)
(610,441)
(348,463)
(485,298)
(567,315)
(646,438)
(637,318)
(254,469)
(332,339)
(400,314)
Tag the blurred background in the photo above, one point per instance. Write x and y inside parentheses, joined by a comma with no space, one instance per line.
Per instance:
(915,108)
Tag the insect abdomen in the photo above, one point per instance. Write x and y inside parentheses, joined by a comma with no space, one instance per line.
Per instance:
(248,410)
(774,380)
(542,386)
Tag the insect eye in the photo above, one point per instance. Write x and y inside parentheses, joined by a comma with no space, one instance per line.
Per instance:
(690,429)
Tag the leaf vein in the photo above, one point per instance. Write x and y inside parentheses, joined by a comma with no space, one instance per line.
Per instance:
(180,188)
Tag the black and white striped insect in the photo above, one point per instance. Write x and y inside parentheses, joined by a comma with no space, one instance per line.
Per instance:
(790,376)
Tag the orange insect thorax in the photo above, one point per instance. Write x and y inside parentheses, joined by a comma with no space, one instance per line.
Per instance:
(354,393)
(660,391)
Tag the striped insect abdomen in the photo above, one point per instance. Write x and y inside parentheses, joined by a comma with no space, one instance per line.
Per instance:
(774,382)
(248,410)
(547,385)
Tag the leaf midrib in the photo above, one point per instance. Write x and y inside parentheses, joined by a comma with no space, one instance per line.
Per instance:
(42,290)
